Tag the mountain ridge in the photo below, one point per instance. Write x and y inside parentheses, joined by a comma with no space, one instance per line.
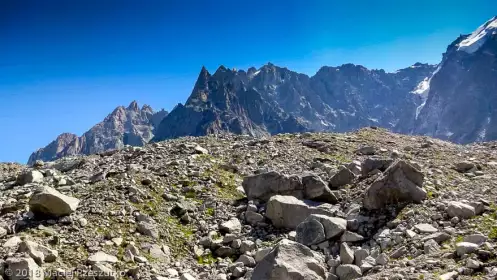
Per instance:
(130,125)
(451,100)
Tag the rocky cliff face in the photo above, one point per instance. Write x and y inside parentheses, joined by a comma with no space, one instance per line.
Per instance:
(462,94)
(124,126)
(272,100)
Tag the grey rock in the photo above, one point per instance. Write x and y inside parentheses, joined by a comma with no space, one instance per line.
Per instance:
(439,237)
(263,186)
(431,247)
(310,232)
(382,259)
(19,265)
(463,248)
(101,257)
(460,210)
(360,255)
(343,177)
(349,236)
(261,253)
(401,182)
(375,163)
(231,226)
(400,252)
(289,261)
(187,276)
(425,228)
(449,275)
(247,246)
(348,272)
(103,272)
(464,166)
(148,229)
(29,176)
(289,212)
(247,260)
(48,201)
(253,217)
(346,254)
(316,189)
(38,252)
(476,238)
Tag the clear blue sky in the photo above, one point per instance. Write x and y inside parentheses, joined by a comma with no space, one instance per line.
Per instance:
(64,65)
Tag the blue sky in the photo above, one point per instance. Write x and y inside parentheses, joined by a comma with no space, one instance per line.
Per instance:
(64,65)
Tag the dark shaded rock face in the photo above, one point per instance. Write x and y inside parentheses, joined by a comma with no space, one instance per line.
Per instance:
(275,100)
(462,97)
(124,126)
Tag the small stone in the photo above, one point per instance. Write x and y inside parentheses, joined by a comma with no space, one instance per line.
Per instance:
(246,260)
(117,241)
(449,275)
(231,226)
(431,246)
(253,217)
(382,259)
(460,210)
(474,264)
(101,257)
(349,236)
(425,228)
(346,254)
(348,272)
(475,238)
(399,252)
(247,246)
(463,248)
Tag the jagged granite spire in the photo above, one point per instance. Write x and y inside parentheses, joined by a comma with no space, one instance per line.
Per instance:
(124,126)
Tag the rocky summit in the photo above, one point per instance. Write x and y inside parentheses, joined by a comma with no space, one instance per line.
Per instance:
(368,204)
(130,125)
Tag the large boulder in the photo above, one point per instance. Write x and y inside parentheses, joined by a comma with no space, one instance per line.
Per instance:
(289,212)
(48,201)
(308,186)
(316,189)
(460,210)
(348,272)
(39,253)
(22,268)
(263,186)
(401,182)
(343,177)
(318,228)
(290,261)
(310,232)
(375,163)
(29,176)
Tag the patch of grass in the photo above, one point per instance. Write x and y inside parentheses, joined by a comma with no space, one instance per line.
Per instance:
(429,195)
(206,259)
(488,223)
(190,194)
(210,211)
(459,239)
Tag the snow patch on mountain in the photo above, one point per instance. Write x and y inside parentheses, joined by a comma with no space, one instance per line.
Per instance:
(474,41)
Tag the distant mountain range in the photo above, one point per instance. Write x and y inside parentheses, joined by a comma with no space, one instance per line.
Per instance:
(454,100)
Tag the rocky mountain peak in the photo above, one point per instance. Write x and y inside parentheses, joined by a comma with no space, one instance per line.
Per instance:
(479,37)
(465,81)
(133,106)
(124,126)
